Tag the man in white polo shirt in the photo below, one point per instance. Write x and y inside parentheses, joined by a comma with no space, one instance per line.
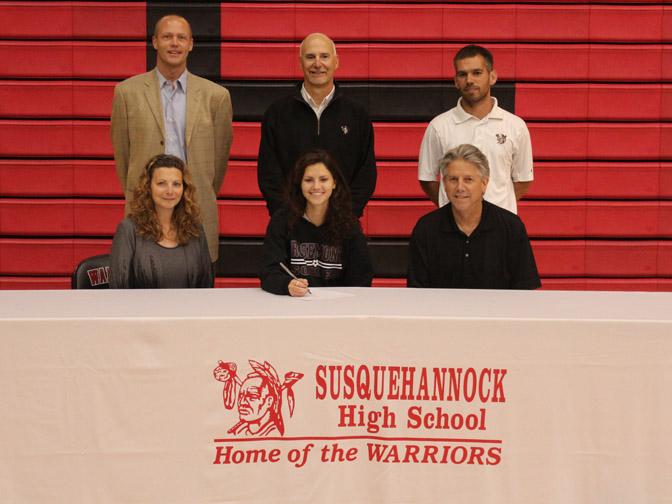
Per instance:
(478,120)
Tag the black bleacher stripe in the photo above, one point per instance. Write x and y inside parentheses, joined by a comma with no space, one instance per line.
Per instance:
(242,258)
(204,19)
(386,101)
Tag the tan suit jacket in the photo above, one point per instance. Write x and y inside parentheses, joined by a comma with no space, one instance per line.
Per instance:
(138,134)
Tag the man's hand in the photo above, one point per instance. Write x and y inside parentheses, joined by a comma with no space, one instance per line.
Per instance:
(431,189)
(521,188)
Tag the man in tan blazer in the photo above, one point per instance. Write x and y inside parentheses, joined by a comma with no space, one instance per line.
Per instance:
(169,110)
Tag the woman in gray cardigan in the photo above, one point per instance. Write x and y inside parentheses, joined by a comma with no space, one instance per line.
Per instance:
(161,244)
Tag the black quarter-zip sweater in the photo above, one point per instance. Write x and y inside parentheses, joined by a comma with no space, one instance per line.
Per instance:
(290,128)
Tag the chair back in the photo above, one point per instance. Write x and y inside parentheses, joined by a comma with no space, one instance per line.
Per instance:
(92,273)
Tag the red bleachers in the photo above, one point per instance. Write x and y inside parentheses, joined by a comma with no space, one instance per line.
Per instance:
(73,20)
(56,99)
(546,219)
(63,60)
(357,21)
(593,79)
(540,62)
(559,102)
(396,179)
(598,102)
(596,284)
(394,141)
(579,23)
(569,62)
(555,258)
(35,256)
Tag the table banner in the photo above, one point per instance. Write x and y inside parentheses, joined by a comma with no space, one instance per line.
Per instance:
(335,409)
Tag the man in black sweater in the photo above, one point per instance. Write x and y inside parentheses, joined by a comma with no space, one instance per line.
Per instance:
(470,243)
(317,115)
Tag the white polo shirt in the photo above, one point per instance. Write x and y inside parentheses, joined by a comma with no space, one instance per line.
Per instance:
(501,136)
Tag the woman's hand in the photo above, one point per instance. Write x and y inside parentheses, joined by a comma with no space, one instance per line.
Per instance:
(298,288)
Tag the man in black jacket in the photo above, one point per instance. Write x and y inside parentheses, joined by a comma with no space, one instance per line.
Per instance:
(317,115)
(470,243)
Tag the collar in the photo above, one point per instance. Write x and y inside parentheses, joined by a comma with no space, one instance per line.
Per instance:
(448,224)
(309,99)
(462,115)
(181,80)
(298,94)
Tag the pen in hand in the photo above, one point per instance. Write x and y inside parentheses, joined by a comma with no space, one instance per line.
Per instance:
(289,272)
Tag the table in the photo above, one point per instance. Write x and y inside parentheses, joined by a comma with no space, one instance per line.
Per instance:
(398,395)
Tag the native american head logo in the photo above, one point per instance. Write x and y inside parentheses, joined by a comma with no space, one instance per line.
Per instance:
(259,397)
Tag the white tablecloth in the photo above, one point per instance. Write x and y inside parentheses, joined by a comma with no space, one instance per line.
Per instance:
(399,396)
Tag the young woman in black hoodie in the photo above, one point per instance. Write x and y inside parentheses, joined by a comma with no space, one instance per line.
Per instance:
(316,235)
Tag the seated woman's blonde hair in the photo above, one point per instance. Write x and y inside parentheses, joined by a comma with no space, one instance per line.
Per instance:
(186,215)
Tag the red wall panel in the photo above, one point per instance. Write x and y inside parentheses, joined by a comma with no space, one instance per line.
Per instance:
(557,219)
(622,218)
(618,23)
(601,102)
(398,180)
(57,99)
(62,217)
(100,60)
(243,218)
(393,218)
(606,68)
(58,178)
(394,141)
(538,101)
(608,284)
(55,139)
(541,62)
(76,20)
(555,258)
(436,22)
(666,180)
(47,257)
(241,181)
(552,23)
(621,259)
(36,283)
(560,258)
(114,20)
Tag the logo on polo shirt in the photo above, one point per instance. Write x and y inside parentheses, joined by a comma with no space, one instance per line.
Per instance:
(500,138)
(345,130)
